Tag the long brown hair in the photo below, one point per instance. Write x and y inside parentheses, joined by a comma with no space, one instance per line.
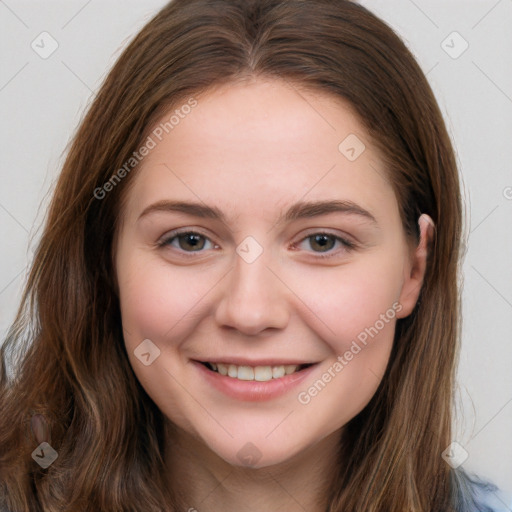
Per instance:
(65,348)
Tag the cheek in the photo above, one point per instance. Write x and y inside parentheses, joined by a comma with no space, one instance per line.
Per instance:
(160,304)
(350,302)
(155,299)
(356,310)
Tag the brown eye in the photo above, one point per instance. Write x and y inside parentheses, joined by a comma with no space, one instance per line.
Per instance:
(188,241)
(322,241)
(191,240)
(326,242)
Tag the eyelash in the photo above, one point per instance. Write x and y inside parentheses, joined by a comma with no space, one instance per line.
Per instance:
(348,245)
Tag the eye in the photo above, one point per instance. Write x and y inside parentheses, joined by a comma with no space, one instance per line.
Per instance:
(186,241)
(324,242)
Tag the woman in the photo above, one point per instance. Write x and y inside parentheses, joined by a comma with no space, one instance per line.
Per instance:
(184,342)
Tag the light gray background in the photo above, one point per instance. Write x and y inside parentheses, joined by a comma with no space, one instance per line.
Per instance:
(43,100)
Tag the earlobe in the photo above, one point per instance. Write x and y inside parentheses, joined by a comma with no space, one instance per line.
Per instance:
(413,280)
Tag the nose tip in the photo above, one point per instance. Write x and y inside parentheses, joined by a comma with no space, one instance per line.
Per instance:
(253,299)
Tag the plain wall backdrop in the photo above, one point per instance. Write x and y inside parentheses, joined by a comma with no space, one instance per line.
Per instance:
(55,54)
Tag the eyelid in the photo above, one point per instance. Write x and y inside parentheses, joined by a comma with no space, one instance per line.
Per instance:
(182,231)
(336,234)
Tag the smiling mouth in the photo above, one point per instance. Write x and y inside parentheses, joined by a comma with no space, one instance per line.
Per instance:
(255,373)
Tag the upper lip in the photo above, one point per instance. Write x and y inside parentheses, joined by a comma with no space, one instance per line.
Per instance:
(240,361)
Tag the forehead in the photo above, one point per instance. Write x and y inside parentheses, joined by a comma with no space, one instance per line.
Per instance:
(260,146)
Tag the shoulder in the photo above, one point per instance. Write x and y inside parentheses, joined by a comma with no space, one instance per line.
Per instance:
(472,494)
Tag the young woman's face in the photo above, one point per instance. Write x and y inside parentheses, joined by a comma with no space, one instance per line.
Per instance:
(260,235)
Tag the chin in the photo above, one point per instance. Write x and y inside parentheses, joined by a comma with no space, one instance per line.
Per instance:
(255,455)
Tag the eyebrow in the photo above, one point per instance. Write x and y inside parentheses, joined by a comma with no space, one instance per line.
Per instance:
(300,210)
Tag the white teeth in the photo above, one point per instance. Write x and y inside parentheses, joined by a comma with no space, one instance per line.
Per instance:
(245,373)
(289,368)
(222,368)
(262,373)
(233,371)
(258,373)
(278,372)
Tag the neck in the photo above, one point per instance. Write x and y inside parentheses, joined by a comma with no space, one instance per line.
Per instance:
(204,482)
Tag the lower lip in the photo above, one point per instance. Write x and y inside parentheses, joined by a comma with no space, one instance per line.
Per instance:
(252,390)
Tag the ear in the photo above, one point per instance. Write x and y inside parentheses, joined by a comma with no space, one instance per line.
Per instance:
(415,270)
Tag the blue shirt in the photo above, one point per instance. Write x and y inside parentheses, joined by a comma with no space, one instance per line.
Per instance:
(472,494)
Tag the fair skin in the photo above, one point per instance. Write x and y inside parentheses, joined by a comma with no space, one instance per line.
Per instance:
(252,150)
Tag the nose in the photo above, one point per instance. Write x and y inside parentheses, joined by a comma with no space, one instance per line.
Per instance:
(253,299)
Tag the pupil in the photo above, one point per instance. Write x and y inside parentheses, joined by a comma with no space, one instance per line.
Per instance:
(192,241)
(321,239)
